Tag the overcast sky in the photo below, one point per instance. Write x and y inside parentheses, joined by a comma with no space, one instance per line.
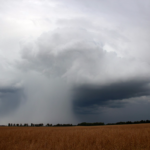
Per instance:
(74,60)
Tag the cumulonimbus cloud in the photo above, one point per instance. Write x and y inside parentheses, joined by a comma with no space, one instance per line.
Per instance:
(96,76)
(89,55)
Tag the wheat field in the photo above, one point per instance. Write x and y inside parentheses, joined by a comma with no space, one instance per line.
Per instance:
(116,137)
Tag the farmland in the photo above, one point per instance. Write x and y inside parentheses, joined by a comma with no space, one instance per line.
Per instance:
(115,137)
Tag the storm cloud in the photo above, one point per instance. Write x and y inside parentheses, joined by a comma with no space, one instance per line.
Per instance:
(10,99)
(107,96)
(70,61)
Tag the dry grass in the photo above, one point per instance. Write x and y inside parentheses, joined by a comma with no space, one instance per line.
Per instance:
(117,137)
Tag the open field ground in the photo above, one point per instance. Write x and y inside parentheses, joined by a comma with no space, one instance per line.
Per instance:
(115,137)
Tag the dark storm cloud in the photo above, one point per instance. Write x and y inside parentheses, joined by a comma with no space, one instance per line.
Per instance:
(92,97)
(10,99)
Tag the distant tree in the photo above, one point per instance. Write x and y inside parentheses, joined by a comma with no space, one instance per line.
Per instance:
(110,123)
(121,122)
(147,121)
(32,125)
(136,122)
(48,124)
(25,124)
(128,122)
(142,121)
(41,124)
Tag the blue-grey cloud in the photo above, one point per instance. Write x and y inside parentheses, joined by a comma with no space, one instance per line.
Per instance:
(10,99)
(92,97)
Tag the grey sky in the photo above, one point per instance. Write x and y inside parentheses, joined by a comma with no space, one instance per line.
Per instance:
(70,61)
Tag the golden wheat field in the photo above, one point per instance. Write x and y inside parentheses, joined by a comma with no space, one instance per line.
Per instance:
(116,137)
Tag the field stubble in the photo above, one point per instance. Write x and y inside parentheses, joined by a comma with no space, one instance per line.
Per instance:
(116,137)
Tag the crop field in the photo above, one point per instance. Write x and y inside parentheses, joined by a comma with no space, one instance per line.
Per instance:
(115,137)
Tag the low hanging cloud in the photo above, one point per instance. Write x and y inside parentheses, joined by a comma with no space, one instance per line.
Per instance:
(111,95)
(10,99)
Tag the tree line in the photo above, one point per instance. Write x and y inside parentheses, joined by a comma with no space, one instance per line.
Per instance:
(91,124)
(80,124)
(36,125)
(130,122)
